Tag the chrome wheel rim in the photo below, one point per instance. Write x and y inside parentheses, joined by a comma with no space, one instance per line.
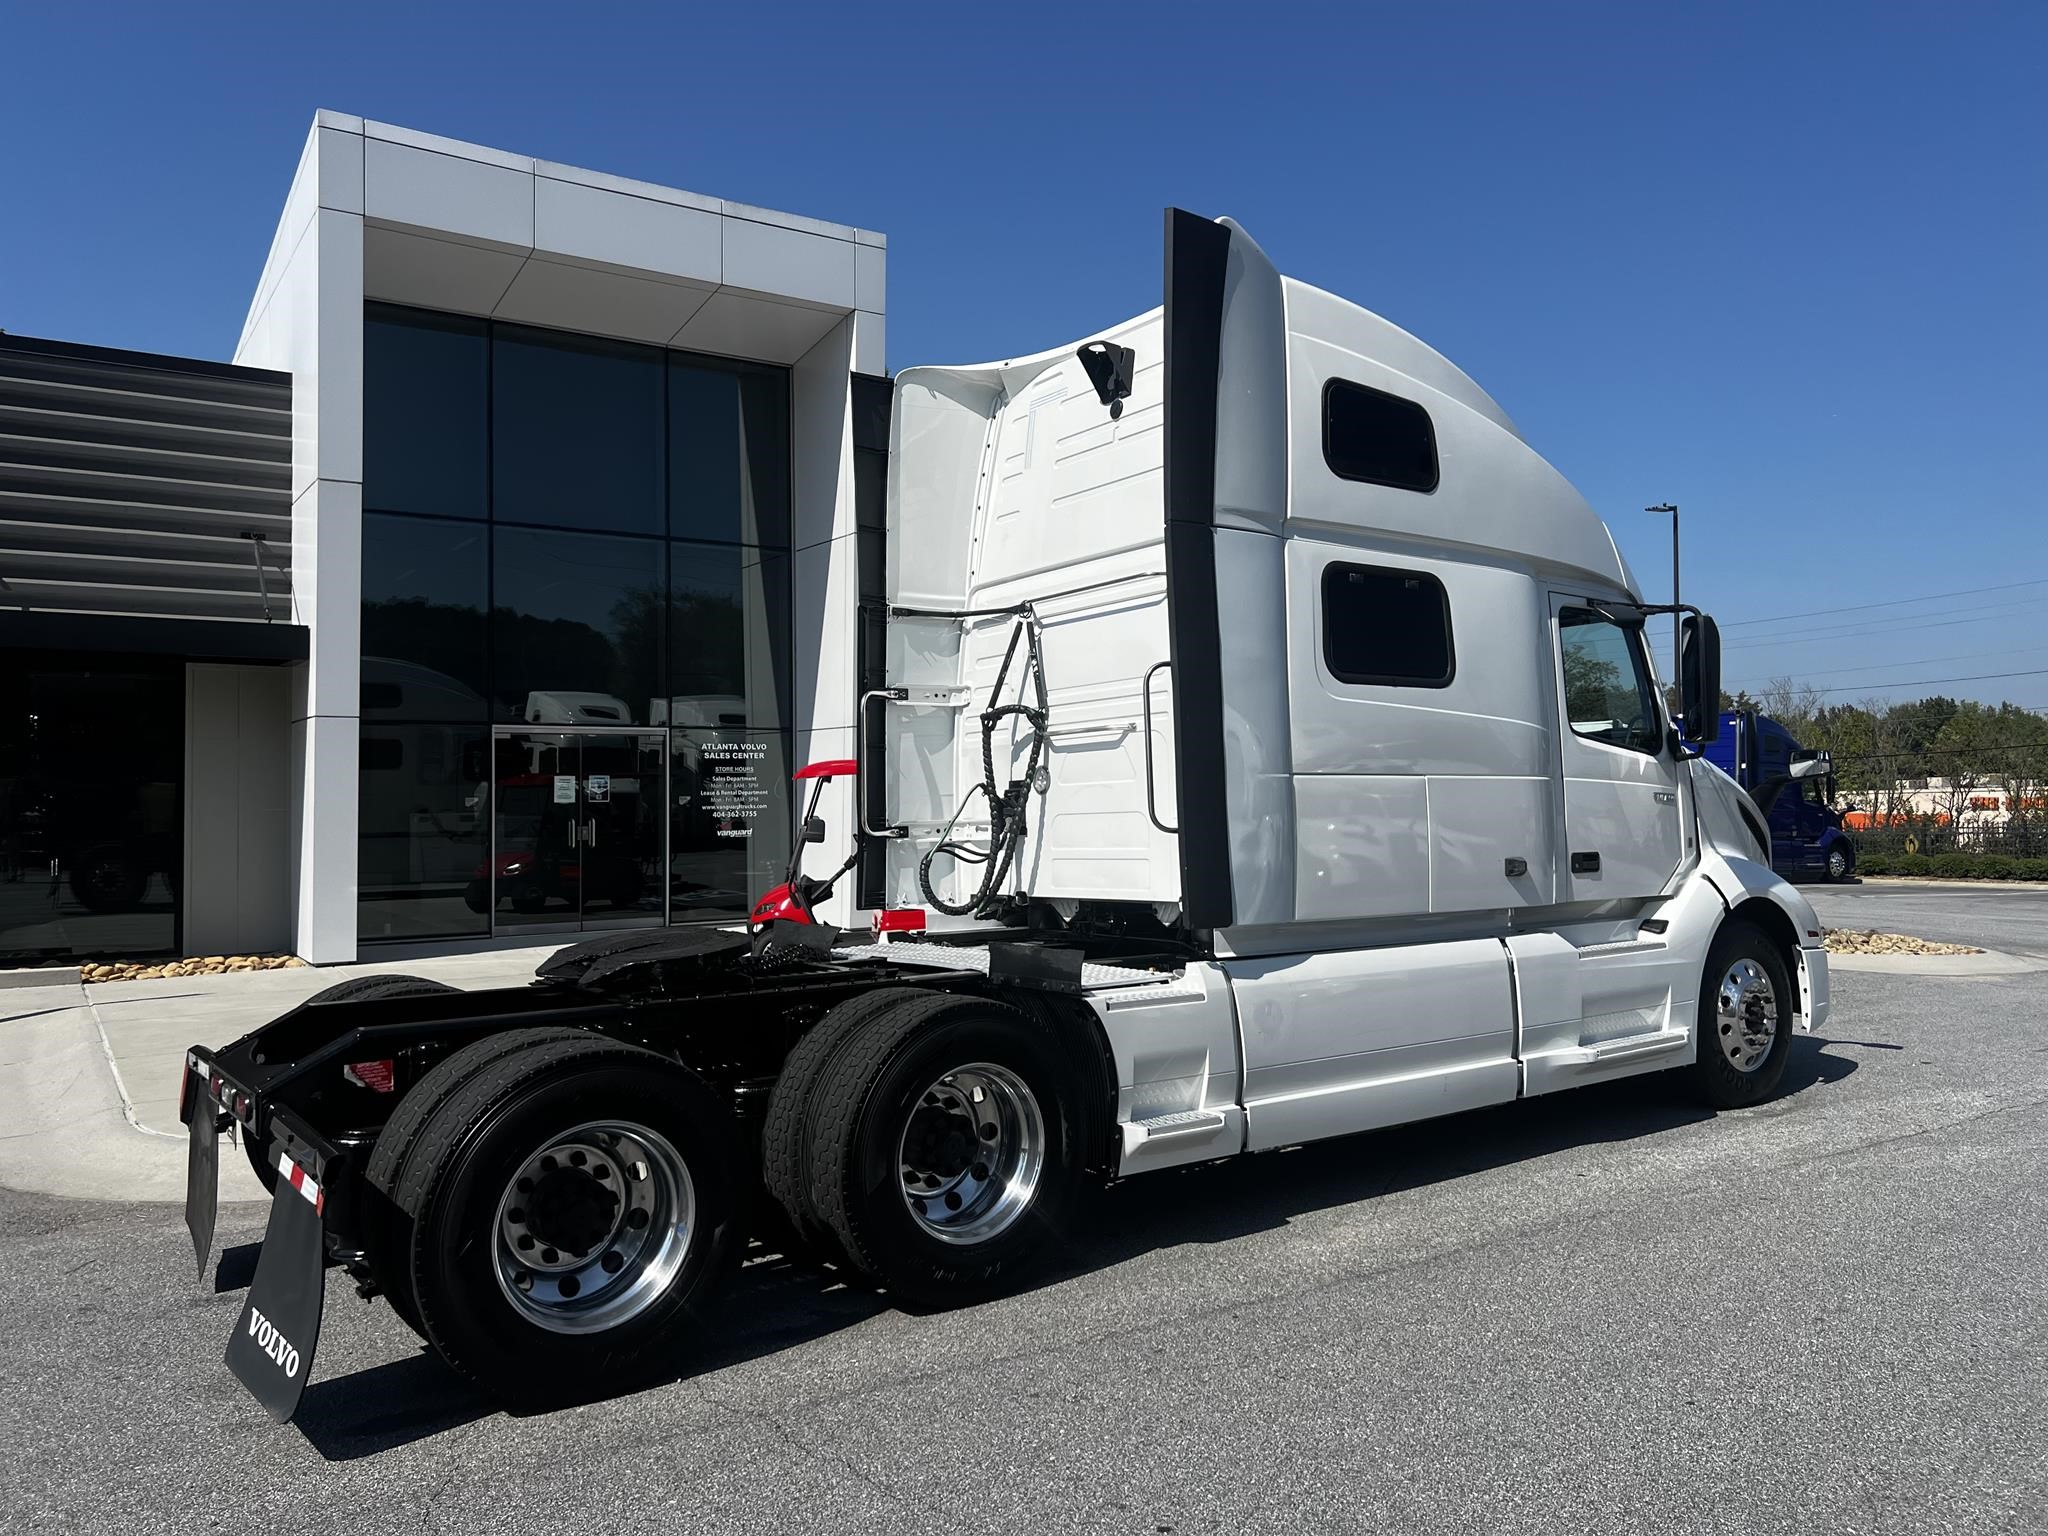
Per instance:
(971,1154)
(1746,1015)
(594,1227)
(1838,863)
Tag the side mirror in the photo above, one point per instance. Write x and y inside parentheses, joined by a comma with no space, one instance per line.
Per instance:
(1699,678)
(814,829)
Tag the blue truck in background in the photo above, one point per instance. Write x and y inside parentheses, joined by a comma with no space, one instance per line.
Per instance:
(1795,790)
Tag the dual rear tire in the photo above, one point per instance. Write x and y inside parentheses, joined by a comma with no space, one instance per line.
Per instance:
(929,1142)
(558,1215)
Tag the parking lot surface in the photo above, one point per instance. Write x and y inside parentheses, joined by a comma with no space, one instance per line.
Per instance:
(2013,918)
(1605,1311)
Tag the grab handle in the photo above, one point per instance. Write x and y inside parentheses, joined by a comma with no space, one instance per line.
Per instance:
(1151,808)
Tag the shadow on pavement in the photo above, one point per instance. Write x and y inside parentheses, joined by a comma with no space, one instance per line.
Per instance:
(776,1302)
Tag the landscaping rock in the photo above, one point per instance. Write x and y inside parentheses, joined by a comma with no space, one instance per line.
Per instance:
(205,965)
(1868,941)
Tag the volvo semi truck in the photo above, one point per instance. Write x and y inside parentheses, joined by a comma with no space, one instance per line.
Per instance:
(1794,790)
(1268,751)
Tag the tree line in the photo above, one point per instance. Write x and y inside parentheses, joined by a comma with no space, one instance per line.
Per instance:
(1884,748)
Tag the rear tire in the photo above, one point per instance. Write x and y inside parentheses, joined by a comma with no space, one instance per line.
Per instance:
(785,1145)
(386,1230)
(551,1279)
(1745,1019)
(945,1146)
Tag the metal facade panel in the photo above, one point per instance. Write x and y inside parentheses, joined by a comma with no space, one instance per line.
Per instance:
(132,483)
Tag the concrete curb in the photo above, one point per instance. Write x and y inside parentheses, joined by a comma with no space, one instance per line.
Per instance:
(1991,962)
(70,1130)
(40,976)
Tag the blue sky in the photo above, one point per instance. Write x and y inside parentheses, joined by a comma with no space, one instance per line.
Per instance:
(1780,264)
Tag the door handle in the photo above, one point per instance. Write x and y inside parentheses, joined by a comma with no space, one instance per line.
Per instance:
(590,833)
(1586,863)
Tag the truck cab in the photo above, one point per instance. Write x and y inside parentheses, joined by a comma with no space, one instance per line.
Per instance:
(1267,749)
(1794,789)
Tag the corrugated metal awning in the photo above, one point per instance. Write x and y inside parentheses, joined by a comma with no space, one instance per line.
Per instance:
(132,483)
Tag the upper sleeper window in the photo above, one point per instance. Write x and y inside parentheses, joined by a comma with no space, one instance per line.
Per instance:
(1387,627)
(1376,437)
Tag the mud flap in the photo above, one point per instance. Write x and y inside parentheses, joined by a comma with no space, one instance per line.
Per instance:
(202,1178)
(271,1351)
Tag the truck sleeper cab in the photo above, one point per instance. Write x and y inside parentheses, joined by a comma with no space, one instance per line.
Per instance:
(1269,740)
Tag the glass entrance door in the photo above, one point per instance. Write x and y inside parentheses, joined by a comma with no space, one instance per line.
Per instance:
(578,838)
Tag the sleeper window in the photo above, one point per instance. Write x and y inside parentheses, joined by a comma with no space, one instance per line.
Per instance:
(1378,438)
(1386,627)
(1608,695)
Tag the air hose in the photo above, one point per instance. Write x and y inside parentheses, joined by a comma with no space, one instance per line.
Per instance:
(1007,821)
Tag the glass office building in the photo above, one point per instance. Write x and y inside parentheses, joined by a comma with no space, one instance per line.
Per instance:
(490,594)
(575,630)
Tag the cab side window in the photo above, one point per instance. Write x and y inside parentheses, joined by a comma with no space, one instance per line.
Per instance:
(1608,695)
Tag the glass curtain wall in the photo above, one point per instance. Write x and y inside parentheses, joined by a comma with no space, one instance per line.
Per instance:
(577,535)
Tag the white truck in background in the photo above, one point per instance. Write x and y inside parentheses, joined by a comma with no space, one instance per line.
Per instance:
(1269,750)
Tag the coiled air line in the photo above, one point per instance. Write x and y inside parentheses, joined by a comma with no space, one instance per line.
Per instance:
(1007,821)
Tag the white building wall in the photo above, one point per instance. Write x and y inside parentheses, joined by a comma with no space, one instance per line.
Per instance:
(379,212)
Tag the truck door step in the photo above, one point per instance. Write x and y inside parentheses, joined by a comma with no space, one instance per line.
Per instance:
(1626,1048)
(1186,1122)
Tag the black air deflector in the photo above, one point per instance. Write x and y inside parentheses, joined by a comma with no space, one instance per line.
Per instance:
(1197,258)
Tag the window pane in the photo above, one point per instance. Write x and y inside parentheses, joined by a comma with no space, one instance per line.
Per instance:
(576,630)
(576,436)
(729,832)
(729,437)
(1606,689)
(1377,437)
(424,391)
(729,632)
(424,596)
(424,834)
(92,761)
(1386,627)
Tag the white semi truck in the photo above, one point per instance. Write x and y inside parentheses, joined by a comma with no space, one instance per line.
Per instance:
(1270,750)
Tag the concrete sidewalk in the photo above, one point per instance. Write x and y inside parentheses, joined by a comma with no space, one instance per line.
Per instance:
(89,1074)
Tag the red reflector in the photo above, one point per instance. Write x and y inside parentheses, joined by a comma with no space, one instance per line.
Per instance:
(373,1075)
(900,920)
(241,1106)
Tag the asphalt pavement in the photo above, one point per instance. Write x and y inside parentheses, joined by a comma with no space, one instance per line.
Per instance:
(1602,1311)
(2012,918)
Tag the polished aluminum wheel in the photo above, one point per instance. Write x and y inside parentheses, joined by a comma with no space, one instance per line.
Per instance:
(972,1154)
(594,1226)
(1838,864)
(1746,1015)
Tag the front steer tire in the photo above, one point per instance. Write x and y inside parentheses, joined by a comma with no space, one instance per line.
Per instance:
(886,1093)
(1742,954)
(619,1328)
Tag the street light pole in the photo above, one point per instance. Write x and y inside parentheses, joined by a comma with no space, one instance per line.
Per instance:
(1676,643)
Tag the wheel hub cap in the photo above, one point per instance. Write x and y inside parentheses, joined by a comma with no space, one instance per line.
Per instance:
(972,1153)
(1746,1015)
(593,1227)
